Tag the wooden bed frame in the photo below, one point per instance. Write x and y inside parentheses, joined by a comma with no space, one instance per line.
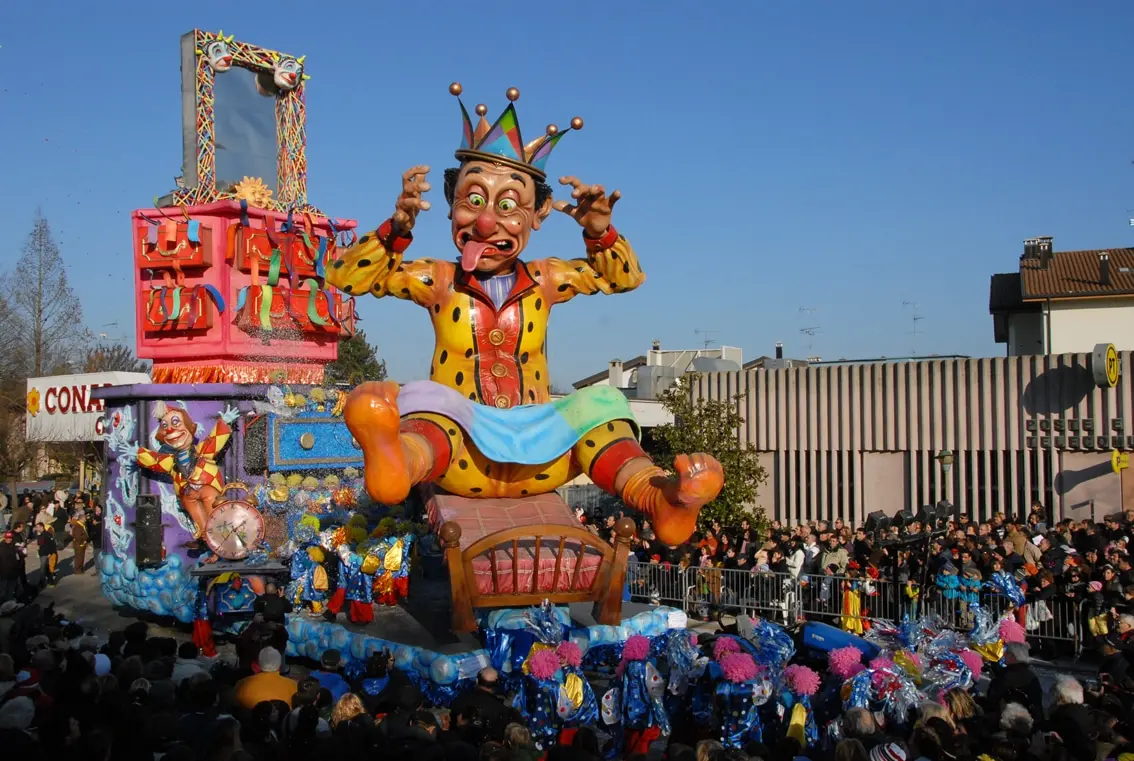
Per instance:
(605,590)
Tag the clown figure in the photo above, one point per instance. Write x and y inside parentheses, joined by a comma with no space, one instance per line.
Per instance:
(636,695)
(190,463)
(312,583)
(485,425)
(355,588)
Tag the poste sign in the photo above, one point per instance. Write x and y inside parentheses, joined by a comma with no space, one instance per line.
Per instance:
(61,408)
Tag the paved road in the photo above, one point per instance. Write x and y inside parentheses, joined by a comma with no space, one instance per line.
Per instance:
(79,597)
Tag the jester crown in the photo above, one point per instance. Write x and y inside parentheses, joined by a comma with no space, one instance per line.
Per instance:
(501,143)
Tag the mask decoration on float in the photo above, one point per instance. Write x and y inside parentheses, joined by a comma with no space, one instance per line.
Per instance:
(288,72)
(217,53)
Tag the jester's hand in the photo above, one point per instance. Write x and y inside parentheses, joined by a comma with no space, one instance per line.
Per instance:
(592,207)
(230,415)
(410,203)
(130,452)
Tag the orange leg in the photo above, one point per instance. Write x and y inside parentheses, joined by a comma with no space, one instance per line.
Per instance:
(394,460)
(199,503)
(615,461)
(672,502)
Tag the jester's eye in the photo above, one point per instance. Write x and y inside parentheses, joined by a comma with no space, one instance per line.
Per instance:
(174,421)
(506,204)
(476,200)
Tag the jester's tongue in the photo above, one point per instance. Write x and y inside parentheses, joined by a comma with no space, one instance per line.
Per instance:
(471,253)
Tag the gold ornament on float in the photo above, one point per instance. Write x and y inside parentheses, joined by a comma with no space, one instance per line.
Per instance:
(254,191)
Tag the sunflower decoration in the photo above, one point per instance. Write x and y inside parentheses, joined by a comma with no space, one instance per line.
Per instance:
(254,191)
(33,402)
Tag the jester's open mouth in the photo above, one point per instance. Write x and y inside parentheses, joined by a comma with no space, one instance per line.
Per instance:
(503,245)
(472,250)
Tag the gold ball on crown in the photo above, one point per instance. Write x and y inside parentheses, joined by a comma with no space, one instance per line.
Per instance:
(513,94)
(456,89)
(552,129)
(577,122)
(481,109)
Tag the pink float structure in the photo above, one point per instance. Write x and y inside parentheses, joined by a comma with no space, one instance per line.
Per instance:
(230,293)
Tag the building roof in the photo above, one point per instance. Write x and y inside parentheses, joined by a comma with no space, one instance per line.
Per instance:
(591,380)
(1075,274)
(1006,293)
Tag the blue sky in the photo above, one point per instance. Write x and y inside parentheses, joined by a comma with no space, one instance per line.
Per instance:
(846,157)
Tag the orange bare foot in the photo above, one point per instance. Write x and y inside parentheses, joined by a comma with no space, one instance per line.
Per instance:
(674,502)
(371,414)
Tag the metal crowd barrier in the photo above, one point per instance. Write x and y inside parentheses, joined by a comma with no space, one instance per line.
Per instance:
(853,604)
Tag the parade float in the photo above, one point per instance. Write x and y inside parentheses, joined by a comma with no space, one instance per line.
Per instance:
(238,466)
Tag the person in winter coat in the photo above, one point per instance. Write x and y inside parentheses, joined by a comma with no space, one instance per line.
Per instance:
(48,554)
(10,564)
(1016,683)
(835,556)
(79,540)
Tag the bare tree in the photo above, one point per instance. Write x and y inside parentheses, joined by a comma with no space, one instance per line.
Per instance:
(106,358)
(44,315)
(16,453)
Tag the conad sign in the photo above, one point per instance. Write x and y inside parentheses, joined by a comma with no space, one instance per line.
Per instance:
(61,407)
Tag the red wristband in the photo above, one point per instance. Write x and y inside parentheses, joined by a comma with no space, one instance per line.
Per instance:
(607,240)
(395,244)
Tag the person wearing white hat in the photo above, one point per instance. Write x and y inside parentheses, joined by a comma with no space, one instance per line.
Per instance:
(888,751)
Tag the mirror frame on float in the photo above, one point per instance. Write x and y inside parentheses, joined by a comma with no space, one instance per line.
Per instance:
(198,182)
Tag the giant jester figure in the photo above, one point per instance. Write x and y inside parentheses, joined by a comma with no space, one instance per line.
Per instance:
(485,425)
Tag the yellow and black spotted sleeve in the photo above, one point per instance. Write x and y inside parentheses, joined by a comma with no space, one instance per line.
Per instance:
(370,266)
(611,266)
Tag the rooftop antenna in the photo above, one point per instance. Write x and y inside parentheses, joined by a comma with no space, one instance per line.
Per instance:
(810,331)
(705,336)
(915,318)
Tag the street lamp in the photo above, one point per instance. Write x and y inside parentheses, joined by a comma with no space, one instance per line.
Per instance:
(945,458)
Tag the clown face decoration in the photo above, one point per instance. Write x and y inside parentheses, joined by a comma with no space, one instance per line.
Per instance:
(655,685)
(176,430)
(217,54)
(287,72)
(611,706)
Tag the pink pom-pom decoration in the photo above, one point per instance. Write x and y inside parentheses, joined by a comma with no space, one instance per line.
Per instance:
(569,654)
(637,648)
(1011,632)
(693,640)
(801,680)
(845,662)
(882,664)
(544,664)
(739,667)
(973,661)
(724,646)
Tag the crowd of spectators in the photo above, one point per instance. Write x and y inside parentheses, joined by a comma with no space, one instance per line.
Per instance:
(66,695)
(43,524)
(132,696)
(1075,572)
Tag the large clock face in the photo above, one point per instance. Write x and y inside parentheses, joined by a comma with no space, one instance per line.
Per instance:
(234,529)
